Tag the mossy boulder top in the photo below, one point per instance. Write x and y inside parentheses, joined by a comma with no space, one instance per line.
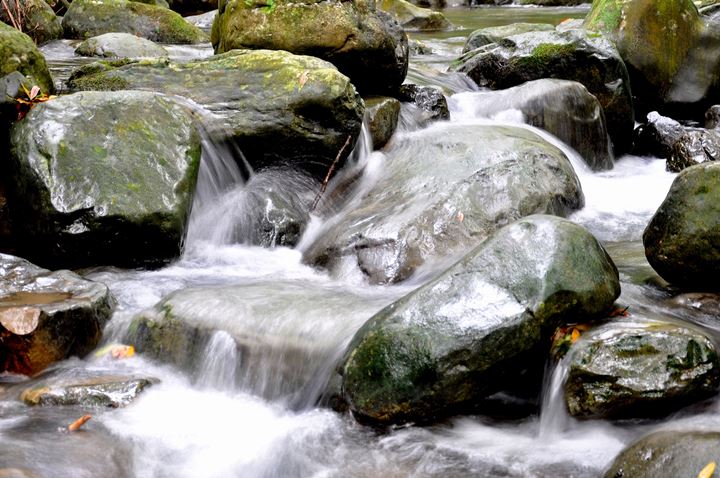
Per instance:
(89,18)
(120,45)
(19,53)
(38,20)
(105,178)
(279,107)
(441,348)
(574,55)
(682,240)
(365,44)
(440,192)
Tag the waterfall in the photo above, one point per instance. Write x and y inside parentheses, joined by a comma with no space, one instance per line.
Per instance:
(219,364)
(554,417)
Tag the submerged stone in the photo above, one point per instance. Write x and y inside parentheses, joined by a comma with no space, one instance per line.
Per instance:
(120,45)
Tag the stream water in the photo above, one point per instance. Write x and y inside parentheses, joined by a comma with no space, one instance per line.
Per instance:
(255,415)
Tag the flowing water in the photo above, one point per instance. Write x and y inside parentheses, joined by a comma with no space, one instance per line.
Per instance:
(250,411)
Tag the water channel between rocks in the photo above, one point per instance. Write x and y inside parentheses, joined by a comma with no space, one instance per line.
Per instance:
(232,418)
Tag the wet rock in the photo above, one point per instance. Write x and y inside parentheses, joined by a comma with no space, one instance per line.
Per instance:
(47,316)
(570,55)
(486,36)
(292,110)
(383,114)
(19,53)
(667,453)
(419,48)
(694,147)
(682,240)
(104,178)
(705,303)
(445,346)
(412,17)
(712,117)
(38,19)
(657,136)
(429,100)
(563,108)
(365,44)
(626,370)
(90,18)
(442,191)
(203,21)
(120,45)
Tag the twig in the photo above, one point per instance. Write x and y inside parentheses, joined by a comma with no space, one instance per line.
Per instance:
(11,16)
(329,174)
(74,426)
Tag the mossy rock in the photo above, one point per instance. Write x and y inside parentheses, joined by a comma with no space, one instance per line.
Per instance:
(19,53)
(412,17)
(112,185)
(488,35)
(468,333)
(120,45)
(39,20)
(365,44)
(682,240)
(90,18)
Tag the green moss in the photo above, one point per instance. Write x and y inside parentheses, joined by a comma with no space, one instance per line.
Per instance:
(545,53)
(99,82)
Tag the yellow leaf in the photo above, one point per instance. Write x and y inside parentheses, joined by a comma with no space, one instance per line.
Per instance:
(575,335)
(708,471)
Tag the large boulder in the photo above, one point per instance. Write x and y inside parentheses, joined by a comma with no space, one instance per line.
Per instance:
(89,18)
(288,109)
(694,147)
(667,453)
(670,52)
(36,18)
(120,45)
(467,333)
(19,53)
(570,55)
(647,369)
(104,178)
(365,44)
(443,190)
(412,17)
(47,316)
(563,108)
(682,240)
(488,35)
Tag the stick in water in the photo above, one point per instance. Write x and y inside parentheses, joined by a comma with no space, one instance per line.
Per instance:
(74,426)
(329,173)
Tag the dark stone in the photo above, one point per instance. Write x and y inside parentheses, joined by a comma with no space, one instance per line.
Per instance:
(694,147)
(383,114)
(657,136)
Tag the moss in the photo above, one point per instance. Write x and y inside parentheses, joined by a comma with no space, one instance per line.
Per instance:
(544,54)
(99,82)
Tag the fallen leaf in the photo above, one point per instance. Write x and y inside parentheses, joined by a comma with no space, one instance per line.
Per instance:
(708,471)
(34,92)
(460,216)
(74,426)
(116,351)
(20,320)
(303,79)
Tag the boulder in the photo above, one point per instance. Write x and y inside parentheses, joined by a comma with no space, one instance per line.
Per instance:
(712,117)
(38,20)
(440,192)
(563,108)
(383,114)
(203,21)
(412,17)
(365,44)
(120,45)
(104,178)
(488,35)
(47,316)
(90,18)
(639,370)
(694,147)
(290,109)
(657,136)
(19,53)
(570,55)
(667,453)
(682,240)
(464,335)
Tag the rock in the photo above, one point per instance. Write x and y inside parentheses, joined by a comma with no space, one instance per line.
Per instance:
(667,453)
(569,55)
(712,117)
(38,20)
(47,316)
(383,114)
(655,39)
(429,100)
(19,53)
(682,240)
(12,88)
(90,18)
(694,147)
(157,3)
(703,302)
(564,108)
(104,178)
(79,387)
(417,47)
(440,192)
(488,35)
(412,17)
(203,21)
(291,109)
(639,370)
(462,336)
(365,44)
(657,136)
(120,45)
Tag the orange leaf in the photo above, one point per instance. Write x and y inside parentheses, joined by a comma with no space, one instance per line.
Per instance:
(74,426)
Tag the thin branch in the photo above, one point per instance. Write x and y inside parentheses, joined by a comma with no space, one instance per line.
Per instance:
(10,15)
(329,174)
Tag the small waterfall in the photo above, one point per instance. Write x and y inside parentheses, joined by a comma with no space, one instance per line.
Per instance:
(554,418)
(219,366)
